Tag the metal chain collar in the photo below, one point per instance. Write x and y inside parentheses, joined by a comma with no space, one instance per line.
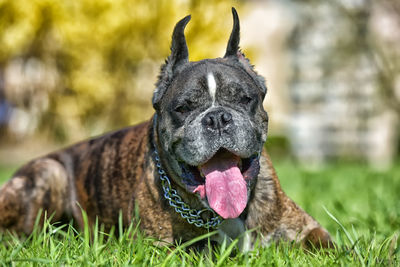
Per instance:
(191,215)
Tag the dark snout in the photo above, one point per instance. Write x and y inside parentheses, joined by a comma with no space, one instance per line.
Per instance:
(217,120)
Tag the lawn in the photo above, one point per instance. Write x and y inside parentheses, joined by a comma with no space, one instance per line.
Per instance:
(365,222)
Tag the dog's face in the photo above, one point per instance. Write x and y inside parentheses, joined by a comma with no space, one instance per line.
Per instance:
(211,124)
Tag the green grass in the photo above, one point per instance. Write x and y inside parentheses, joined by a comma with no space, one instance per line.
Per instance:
(5,173)
(362,213)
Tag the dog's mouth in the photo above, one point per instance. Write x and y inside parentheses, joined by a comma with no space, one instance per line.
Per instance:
(222,181)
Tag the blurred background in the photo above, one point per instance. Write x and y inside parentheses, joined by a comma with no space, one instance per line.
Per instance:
(74,69)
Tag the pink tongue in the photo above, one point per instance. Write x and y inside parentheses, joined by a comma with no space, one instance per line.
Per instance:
(225,186)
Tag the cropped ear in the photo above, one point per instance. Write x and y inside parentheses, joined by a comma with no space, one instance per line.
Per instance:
(233,43)
(233,52)
(179,56)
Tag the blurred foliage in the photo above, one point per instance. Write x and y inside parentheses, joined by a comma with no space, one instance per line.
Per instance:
(94,56)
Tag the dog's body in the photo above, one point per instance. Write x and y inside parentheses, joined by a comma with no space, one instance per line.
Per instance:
(205,141)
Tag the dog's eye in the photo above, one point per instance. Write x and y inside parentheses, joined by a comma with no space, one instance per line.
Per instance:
(245,100)
(182,109)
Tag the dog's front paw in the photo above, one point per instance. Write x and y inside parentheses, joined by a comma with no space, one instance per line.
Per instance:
(318,238)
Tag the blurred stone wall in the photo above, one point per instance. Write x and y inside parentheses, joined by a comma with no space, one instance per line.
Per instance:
(332,69)
(338,108)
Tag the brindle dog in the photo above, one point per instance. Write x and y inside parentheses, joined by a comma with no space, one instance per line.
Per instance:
(197,165)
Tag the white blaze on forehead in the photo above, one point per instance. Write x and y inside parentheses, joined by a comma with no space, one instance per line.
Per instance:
(212,85)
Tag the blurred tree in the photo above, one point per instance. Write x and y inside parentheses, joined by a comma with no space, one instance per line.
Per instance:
(76,67)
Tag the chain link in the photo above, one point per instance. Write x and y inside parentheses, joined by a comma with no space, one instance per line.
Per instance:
(191,215)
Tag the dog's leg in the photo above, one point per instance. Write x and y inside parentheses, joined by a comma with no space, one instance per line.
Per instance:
(40,185)
(277,217)
(301,227)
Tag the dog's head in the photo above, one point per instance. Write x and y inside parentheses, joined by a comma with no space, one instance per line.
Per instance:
(211,124)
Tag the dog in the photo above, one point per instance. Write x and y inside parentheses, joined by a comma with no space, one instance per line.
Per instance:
(198,165)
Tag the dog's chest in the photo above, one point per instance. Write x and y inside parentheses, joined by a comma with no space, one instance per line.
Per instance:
(231,229)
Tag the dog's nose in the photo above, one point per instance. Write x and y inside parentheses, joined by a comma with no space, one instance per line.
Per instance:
(217,119)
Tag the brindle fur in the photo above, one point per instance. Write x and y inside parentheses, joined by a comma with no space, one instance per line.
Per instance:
(110,174)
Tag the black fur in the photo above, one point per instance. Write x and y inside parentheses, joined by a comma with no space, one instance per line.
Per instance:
(233,44)
(179,56)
